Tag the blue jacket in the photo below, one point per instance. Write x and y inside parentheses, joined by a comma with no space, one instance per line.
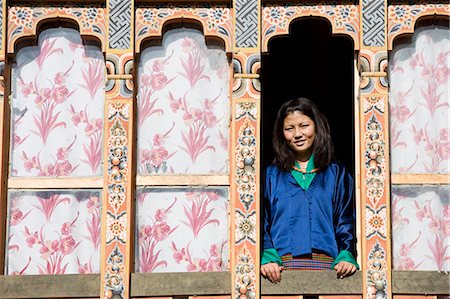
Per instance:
(319,219)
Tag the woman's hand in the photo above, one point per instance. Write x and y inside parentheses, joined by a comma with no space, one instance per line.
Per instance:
(272,271)
(344,269)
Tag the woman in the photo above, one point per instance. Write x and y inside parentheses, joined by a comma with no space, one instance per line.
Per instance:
(309,213)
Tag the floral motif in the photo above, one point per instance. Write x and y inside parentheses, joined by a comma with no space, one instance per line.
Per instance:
(276,19)
(46,97)
(400,14)
(246,109)
(23,20)
(149,238)
(114,274)
(216,20)
(423,212)
(197,213)
(93,15)
(377,283)
(345,15)
(418,102)
(116,228)
(245,227)
(47,232)
(213,262)
(148,17)
(375,161)
(182,91)
(245,281)
(21,16)
(245,158)
(275,15)
(376,222)
(219,16)
(182,230)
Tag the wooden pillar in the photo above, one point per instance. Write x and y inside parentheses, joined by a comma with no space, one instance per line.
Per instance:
(245,145)
(374,152)
(118,188)
(4,137)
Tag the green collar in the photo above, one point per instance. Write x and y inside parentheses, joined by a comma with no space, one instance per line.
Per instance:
(304,179)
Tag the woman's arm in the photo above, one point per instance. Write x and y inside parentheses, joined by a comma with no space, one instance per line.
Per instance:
(271,264)
(344,224)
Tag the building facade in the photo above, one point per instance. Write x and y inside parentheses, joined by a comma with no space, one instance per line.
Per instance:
(135,134)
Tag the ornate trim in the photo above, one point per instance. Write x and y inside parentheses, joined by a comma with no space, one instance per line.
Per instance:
(116,221)
(402,18)
(375,221)
(216,21)
(119,64)
(245,201)
(246,64)
(25,21)
(377,283)
(276,20)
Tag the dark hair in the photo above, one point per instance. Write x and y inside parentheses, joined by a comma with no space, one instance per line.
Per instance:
(323,150)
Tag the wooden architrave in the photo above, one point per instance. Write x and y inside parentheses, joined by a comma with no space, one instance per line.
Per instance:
(402,18)
(216,22)
(90,21)
(276,20)
(420,179)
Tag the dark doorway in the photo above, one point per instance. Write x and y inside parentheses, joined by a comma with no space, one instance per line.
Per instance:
(312,63)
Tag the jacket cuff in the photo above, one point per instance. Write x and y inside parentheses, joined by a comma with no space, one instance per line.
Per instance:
(271,256)
(345,256)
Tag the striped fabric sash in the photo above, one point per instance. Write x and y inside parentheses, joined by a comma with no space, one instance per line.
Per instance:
(314,261)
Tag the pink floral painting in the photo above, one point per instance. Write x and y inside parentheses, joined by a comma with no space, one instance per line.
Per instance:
(184,89)
(421,228)
(419,102)
(182,230)
(57,107)
(53,232)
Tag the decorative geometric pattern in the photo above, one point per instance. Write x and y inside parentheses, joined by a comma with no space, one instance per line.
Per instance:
(246,23)
(370,61)
(216,21)
(402,18)
(22,21)
(244,63)
(276,20)
(373,23)
(119,24)
(119,65)
(253,63)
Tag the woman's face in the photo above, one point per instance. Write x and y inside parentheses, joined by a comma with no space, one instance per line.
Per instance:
(299,132)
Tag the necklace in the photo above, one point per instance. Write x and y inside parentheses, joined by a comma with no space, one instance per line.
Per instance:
(304,171)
